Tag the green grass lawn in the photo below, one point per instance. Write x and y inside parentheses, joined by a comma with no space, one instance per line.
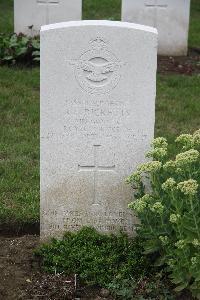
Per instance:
(177,105)
(177,111)
(6,16)
(194,32)
(102,9)
(19,145)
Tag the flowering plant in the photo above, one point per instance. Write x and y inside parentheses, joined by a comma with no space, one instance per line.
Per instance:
(170,213)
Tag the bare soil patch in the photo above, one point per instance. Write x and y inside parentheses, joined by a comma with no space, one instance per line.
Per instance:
(187,65)
(16,229)
(16,266)
(22,279)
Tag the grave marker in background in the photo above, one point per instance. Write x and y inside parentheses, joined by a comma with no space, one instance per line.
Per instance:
(98,86)
(170,17)
(30,15)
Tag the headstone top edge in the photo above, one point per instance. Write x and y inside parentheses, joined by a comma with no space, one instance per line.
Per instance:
(99,23)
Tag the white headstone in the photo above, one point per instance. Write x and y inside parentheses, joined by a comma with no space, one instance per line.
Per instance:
(98,86)
(170,17)
(30,15)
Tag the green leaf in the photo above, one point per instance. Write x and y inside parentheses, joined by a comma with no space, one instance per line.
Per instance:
(177,280)
(24,40)
(36,59)
(8,57)
(181,287)
(13,41)
(36,53)
(21,51)
(36,44)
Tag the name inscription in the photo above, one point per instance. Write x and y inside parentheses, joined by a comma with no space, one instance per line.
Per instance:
(96,118)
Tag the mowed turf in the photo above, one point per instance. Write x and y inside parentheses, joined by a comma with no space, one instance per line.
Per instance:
(194,30)
(19,145)
(177,111)
(177,106)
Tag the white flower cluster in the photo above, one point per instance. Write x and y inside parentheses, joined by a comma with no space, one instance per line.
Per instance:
(151,166)
(171,262)
(186,140)
(164,240)
(180,244)
(169,165)
(182,160)
(179,171)
(159,142)
(196,243)
(194,260)
(157,207)
(135,177)
(169,185)
(189,187)
(140,204)
(159,150)
(157,153)
(146,197)
(189,141)
(174,218)
(187,158)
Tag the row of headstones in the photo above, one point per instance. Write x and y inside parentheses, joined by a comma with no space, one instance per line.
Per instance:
(170,17)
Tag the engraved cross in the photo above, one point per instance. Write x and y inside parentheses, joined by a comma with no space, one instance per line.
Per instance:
(96,168)
(155,5)
(47,3)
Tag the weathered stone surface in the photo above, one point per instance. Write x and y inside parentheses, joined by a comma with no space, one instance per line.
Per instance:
(98,85)
(170,17)
(30,15)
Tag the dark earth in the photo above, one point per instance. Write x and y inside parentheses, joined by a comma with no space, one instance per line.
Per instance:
(21,276)
(186,65)
(20,272)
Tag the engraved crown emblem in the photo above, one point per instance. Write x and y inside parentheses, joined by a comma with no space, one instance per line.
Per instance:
(97,70)
(98,43)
